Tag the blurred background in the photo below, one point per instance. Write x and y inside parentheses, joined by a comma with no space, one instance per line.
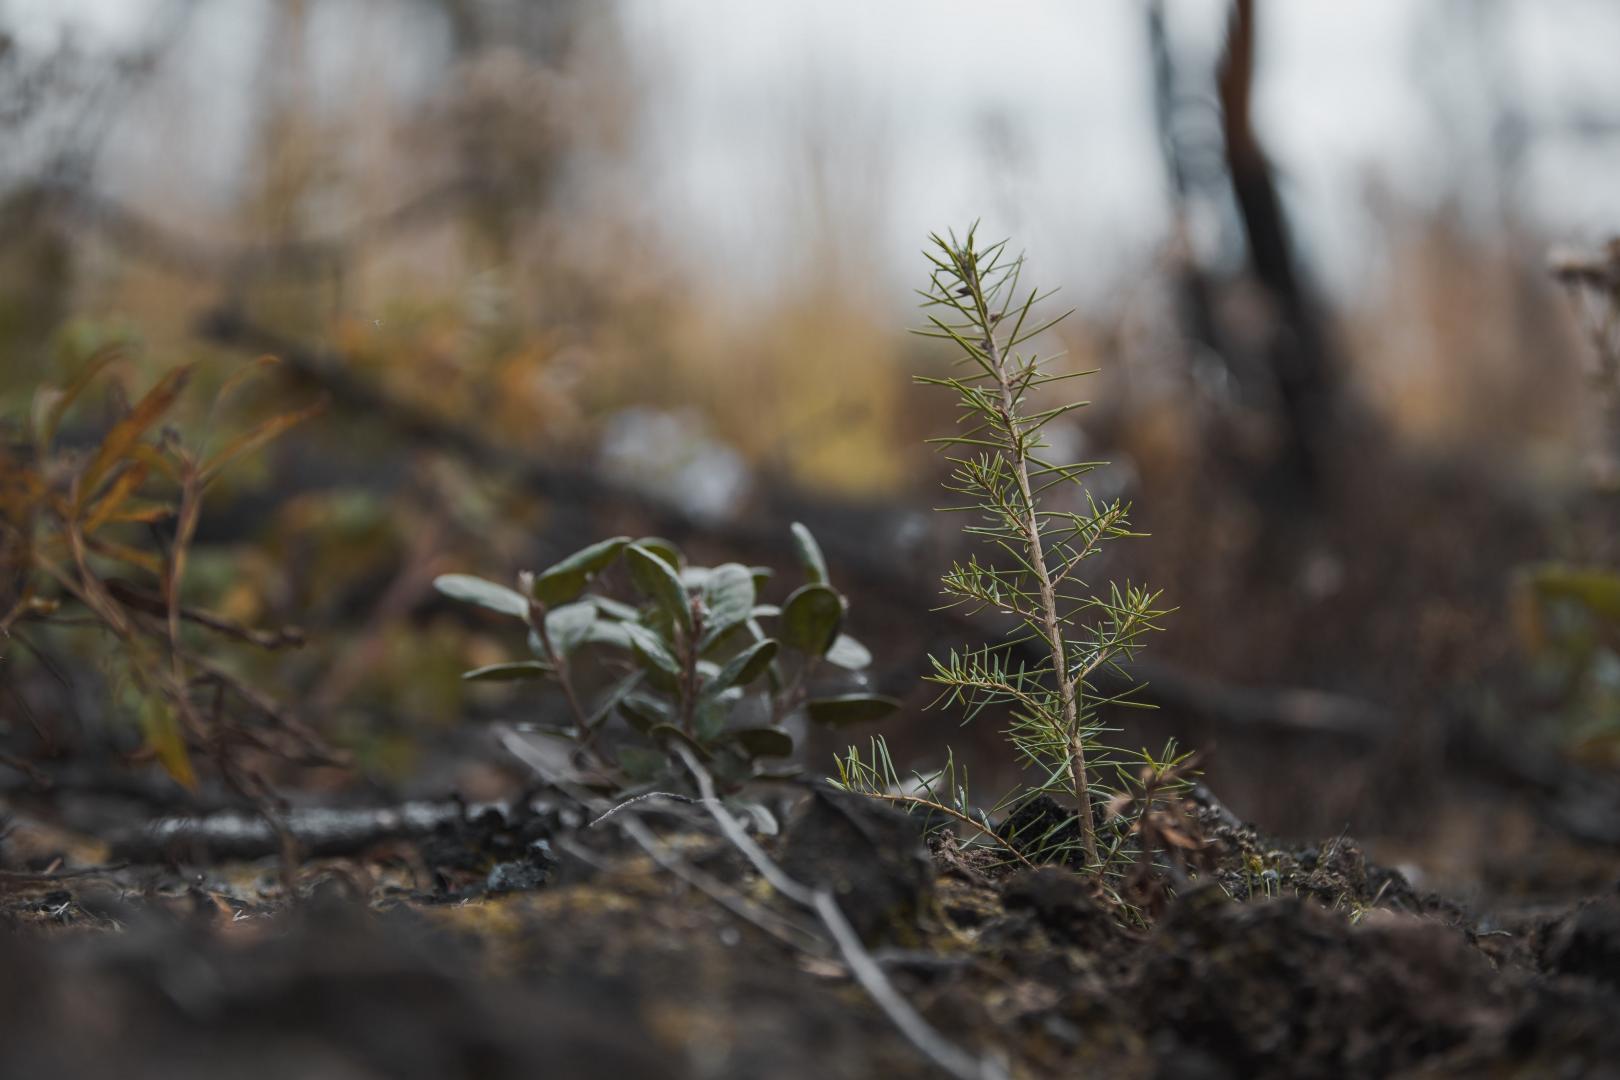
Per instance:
(575,268)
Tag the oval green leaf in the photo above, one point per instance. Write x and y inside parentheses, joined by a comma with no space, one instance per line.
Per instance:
(658,580)
(764,742)
(712,712)
(519,669)
(744,668)
(810,619)
(673,734)
(663,549)
(728,596)
(475,590)
(641,764)
(849,654)
(565,580)
(613,609)
(850,709)
(811,560)
(655,657)
(569,626)
(608,632)
(642,712)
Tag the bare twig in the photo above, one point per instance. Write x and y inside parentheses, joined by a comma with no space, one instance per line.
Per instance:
(866,971)
(784,930)
(139,599)
(27,768)
(628,803)
(23,877)
(918,1032)
(777,926)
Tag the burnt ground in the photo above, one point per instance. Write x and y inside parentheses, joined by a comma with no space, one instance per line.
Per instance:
(496,944)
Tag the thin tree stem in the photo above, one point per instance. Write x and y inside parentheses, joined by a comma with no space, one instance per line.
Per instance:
(1051,620)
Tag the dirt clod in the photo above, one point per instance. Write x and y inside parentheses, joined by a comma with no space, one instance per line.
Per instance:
(1586,942)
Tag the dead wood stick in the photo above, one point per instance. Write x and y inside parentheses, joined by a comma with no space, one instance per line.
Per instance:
(151,603)
(24,877)
(784,929)
(245,834)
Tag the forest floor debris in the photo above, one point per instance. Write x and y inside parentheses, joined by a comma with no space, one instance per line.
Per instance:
(485,948)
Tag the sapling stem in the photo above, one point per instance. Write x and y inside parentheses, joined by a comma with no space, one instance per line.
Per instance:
(1030,520)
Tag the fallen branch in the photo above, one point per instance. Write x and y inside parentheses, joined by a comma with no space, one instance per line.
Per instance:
(362,397)
(246,834)
(24,877)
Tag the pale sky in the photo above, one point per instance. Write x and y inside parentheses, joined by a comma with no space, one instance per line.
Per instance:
(908,115)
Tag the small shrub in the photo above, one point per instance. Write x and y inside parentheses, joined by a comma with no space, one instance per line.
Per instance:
(99,538)
(693,658)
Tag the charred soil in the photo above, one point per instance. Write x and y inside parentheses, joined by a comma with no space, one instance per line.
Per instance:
(501,944)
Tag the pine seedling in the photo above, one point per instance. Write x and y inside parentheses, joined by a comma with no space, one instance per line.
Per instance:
(1040,526)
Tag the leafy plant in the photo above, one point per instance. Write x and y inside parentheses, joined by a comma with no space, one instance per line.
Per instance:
(1041,526)
(693,660)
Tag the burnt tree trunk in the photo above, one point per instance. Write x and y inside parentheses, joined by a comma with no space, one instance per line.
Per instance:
(1296,348)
